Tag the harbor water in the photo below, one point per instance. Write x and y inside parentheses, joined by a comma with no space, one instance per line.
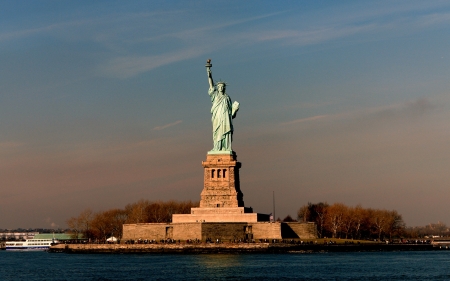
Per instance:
(407,265)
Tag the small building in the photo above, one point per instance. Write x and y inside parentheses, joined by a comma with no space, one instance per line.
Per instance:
(61,237)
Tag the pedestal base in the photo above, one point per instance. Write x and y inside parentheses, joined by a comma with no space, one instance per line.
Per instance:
(238,214)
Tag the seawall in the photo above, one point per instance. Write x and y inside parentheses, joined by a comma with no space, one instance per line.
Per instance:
(234,248)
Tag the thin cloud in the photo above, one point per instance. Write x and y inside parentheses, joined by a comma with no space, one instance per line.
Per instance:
(435,19)
(90,23)
(128,66)
(201,31)
(125,67)
(308,119)
(388,10)
(310,105)
(314,36)
(43,29)
(167,125)
(408,110)
(366,20)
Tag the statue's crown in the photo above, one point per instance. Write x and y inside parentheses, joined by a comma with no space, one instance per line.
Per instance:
(221,82)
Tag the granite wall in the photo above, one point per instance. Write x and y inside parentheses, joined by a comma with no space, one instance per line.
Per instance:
(224,231)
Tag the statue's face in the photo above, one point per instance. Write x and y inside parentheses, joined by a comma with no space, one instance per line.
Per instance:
(221,88)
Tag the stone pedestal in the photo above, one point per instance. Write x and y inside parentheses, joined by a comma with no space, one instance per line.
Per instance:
(221,197)
(221,187)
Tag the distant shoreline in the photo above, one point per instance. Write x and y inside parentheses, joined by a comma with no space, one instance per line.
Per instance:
(210,248)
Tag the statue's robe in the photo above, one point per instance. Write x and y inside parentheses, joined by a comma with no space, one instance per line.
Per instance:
(221,112)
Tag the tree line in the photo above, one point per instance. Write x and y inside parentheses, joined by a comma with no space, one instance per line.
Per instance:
(334,221)
(98,226)
(434,230)
(341,221)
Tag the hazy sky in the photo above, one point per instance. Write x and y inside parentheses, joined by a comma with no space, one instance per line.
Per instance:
(103,103)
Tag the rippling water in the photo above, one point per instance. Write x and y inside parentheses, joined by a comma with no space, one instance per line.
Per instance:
(433,265)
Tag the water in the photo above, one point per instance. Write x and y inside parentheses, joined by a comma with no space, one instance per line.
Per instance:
(432,265)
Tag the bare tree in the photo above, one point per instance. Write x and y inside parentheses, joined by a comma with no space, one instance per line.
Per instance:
(318,215)
(288,218)
(75,227)
(359,216)
(85,219)
(394,223)
(80,224)
(335,218)
(379,219)
(348,221)
(117,218)
(303,214)
(136,211)
(101,226)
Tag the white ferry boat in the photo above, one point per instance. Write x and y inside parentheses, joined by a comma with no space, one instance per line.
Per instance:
(30,245)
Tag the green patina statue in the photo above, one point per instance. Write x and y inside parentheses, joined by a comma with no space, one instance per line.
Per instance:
(222,114)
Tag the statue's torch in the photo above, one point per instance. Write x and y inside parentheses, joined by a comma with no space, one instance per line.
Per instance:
(208,66)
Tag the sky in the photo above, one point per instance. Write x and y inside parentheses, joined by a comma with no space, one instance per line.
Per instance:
(104,103)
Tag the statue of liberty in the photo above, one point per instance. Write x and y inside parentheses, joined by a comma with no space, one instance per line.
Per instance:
(222,112)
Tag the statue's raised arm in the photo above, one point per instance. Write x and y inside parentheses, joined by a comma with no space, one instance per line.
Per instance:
(208,72)
(222,111)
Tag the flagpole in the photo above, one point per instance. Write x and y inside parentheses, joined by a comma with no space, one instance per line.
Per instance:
(273,196)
